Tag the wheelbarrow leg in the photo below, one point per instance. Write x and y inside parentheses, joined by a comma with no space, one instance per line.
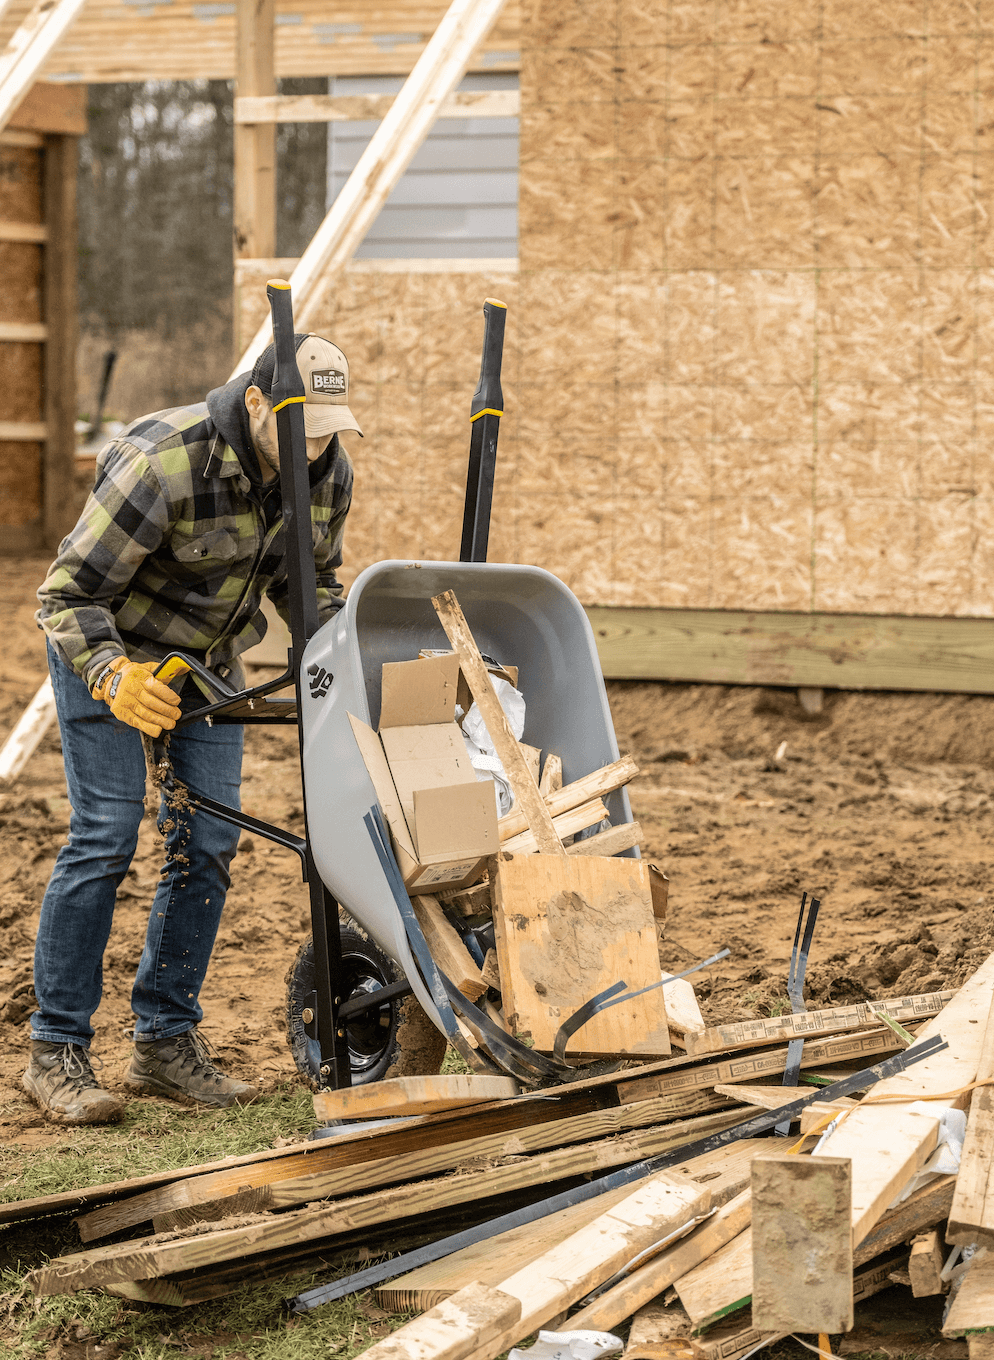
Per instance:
(335,1070)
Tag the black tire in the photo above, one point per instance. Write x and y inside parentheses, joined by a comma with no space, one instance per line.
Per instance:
(396,1039)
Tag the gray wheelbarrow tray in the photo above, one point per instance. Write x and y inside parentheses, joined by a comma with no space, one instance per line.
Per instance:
(522,616)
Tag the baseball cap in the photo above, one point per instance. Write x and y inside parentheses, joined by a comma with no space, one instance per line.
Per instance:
(324,371)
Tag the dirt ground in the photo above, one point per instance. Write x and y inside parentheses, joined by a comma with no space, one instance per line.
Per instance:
(882,806)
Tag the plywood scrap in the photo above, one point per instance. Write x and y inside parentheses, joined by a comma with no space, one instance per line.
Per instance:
(528,801)
(887,1140)
(447,948)
(801,1243)
(567,929)
(972,1216)
(411,1095)
(834,1020)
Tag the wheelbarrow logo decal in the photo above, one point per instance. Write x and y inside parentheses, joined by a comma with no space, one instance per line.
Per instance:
(319,681)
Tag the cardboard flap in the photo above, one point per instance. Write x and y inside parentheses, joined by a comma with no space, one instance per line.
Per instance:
(426,758)
(456,821)
(371,750)
(419,693)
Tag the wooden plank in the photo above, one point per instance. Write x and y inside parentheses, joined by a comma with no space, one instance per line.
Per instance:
(801,1243)
(552,775)
(23,331)
(725,1173)
(816,1112)
(62,322)
(652,1333)
(567,929)
(528,801)
(833,651)
(255,144)
(972,1308)
(972,1216)
(52,108)
(447,948)
(29,430)
(23,231)
(613,841)
(651,1279)
(324,108)
(150,1258)
(888,1142)
(411,1095)
(349,1149)
(411,117)
(684,1074)
(566,824)
(29,48)
(548,1285)
(763,1097)
(452,1327)
(834,1020)
(597,784)
(17,138)
(925,1265)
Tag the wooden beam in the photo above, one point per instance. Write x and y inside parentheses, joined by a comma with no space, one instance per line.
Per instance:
(528,801)
(52,108)
(613,841)
(801,1243)
(362,108)
(447,949)
(61,311)
(888,1142)
(925,1265)
(29,48)
(834,1020)
(255,144)
(13,137)
(971,1218)
(23,231)
(833,651)
(395,143)
(397,1096)
(16,430)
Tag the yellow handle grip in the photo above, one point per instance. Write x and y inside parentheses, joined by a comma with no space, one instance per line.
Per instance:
(170,669)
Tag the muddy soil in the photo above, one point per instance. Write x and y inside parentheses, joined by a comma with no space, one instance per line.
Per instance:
(881,805)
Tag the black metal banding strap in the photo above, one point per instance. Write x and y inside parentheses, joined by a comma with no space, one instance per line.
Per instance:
(749,1128)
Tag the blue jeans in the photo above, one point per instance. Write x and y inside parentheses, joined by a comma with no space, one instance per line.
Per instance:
(105,773)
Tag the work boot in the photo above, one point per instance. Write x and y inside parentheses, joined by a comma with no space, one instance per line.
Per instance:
(181,1069)
(60,1081)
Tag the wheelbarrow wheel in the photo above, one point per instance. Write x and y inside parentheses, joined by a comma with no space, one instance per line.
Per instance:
(396,1039)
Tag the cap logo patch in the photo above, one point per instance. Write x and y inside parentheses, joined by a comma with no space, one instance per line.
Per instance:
(328,382)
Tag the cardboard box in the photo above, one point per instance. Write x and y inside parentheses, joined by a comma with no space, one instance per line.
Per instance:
(442,820)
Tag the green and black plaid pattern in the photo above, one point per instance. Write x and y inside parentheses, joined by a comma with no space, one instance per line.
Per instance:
(172,552)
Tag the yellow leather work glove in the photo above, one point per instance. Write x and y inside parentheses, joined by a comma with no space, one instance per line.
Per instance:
(132,693)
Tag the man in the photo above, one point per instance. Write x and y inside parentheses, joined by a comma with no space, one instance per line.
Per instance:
(177,543)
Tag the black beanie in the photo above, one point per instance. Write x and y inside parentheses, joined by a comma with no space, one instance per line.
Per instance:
(265,365)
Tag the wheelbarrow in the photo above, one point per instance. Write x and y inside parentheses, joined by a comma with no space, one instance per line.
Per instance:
(364,997)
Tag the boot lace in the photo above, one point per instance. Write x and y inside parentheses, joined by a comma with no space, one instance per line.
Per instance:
(78,1067)
(197,1055)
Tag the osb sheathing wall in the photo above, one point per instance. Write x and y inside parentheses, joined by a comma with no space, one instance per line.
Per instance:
(750,356)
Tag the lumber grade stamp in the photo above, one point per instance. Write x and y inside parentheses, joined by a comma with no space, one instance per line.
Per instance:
(801,1243)
(774,1029)
(972,1308)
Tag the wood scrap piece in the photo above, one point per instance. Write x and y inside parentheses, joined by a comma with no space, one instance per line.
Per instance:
(411,1095)
(972,1308)
(533,759)
(763,1097)
(446,947)
(683,1011)
(653,1326)
(725,1173)
(450,1329)
(552,776)
(972,1216)
(801,1243)
(660,885)
(527,798)
(566,824)
(747,1067)
(889,1142)
(149,1258)
(597,784)
(925,1265)
(833,1020)
(474,901)
(248,1199)
(613,840)
(980,1346)
(570,1269)
(567,929)
(818,1109)
(490,972)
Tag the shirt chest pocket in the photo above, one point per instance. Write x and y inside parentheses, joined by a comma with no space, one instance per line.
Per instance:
(214,547)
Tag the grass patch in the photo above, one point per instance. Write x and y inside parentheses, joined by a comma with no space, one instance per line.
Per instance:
(155,1135)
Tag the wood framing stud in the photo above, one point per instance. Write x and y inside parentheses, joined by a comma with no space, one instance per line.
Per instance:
(255,144)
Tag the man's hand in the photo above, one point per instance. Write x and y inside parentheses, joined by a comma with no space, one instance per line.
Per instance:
(132,693)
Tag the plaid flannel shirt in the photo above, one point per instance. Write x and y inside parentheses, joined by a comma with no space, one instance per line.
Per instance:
(172,552)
